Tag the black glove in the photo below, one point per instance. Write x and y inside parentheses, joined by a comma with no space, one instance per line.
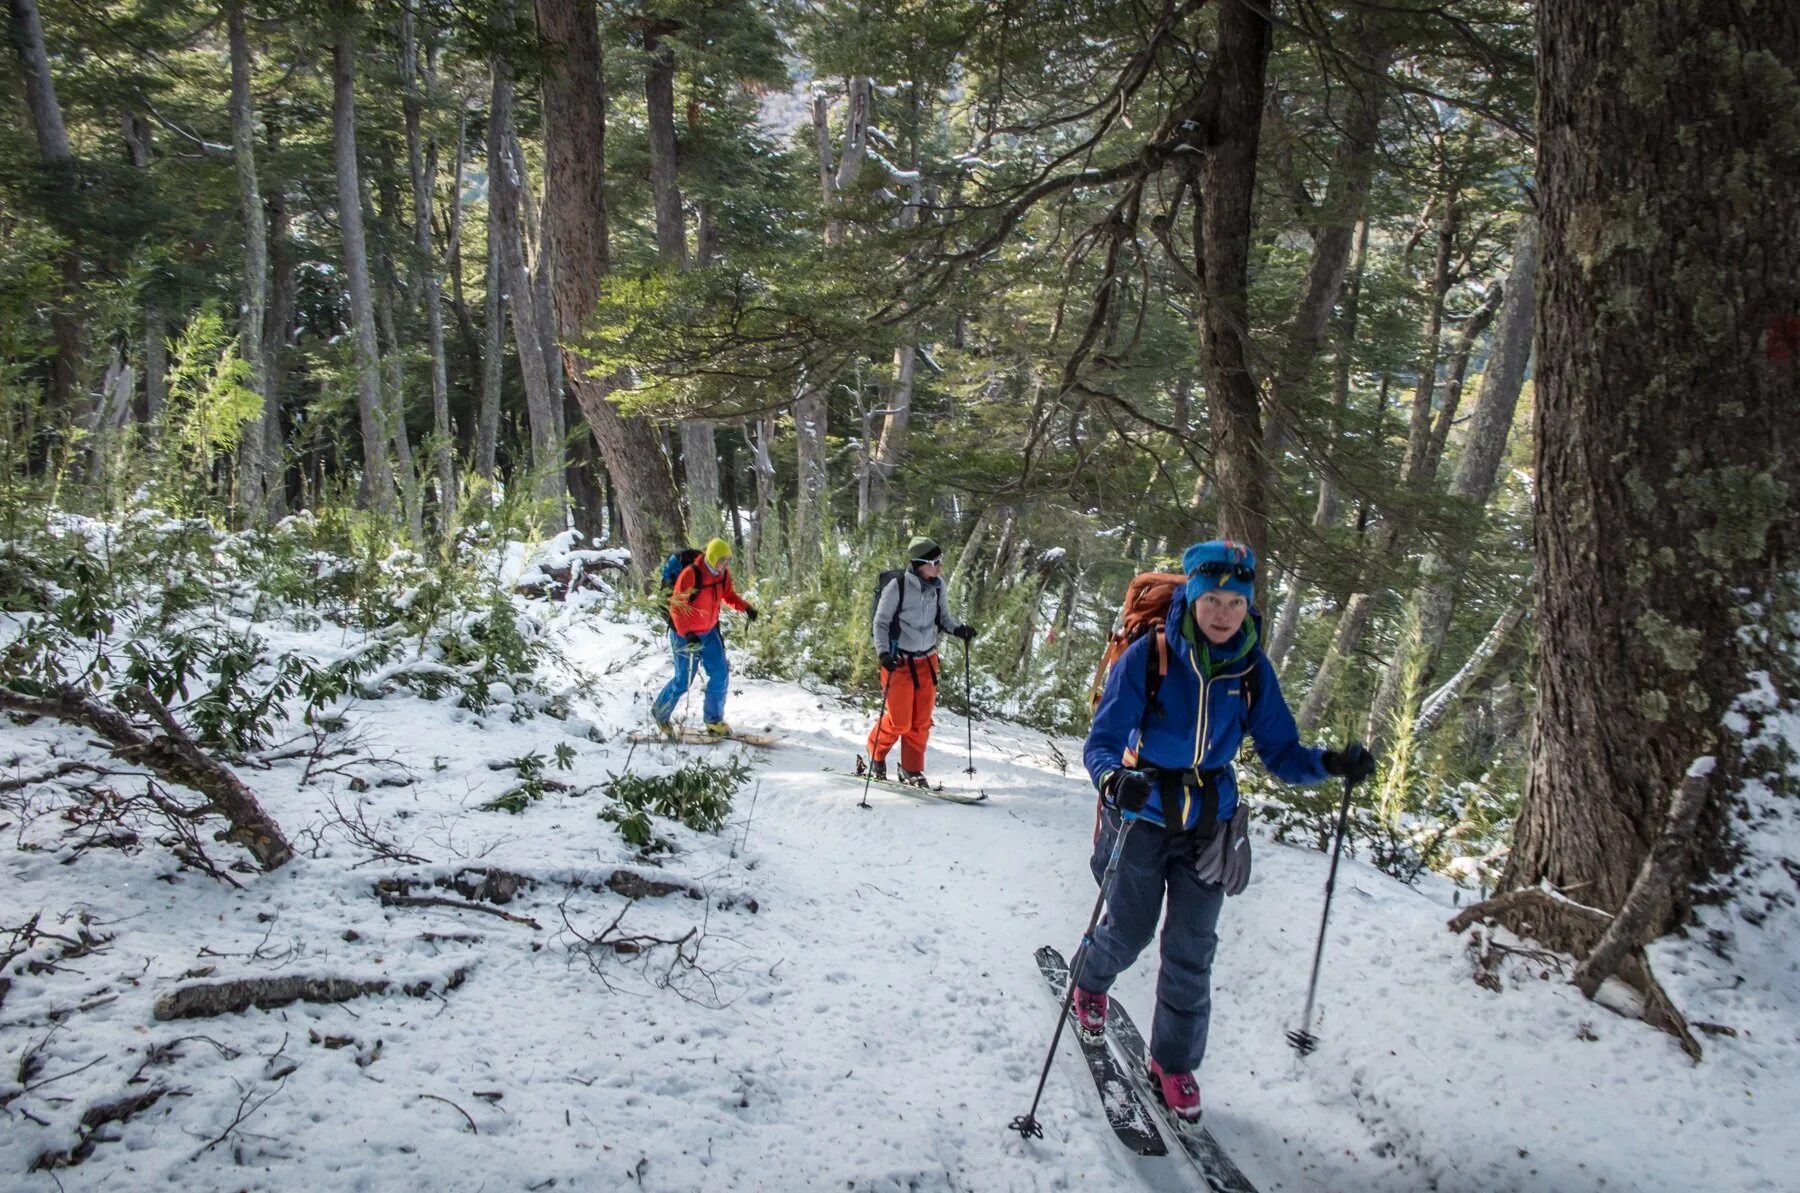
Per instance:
(750,612)
(890,661)
(1353,762)
(691,638)
(965,632)
(1127,790)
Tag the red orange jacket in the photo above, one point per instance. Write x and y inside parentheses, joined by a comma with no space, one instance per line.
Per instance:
(694,604)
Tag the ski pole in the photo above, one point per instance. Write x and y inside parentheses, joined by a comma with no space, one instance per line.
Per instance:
(1026,1124)
(968,707)
(1304,1041)
(887,677)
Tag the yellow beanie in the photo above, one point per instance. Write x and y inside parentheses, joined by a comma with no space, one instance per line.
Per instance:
(717,552)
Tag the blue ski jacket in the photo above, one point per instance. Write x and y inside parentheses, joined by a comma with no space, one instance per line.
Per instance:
(1211,697)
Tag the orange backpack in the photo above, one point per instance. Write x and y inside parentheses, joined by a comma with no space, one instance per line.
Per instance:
(1145,611)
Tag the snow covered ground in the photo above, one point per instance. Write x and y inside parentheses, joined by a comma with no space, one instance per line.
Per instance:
(858,1008)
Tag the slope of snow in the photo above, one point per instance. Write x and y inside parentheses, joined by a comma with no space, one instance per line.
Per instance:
(857,1009)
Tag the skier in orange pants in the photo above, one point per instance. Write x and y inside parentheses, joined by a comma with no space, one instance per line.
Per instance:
(909,617)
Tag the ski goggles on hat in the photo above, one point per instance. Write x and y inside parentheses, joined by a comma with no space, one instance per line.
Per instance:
(1218,569)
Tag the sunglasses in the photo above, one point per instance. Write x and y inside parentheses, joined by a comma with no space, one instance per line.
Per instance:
(1237,571)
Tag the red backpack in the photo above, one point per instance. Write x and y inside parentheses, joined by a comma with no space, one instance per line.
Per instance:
(1145,611)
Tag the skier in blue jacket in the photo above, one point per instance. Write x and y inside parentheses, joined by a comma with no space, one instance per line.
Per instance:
(1171,764)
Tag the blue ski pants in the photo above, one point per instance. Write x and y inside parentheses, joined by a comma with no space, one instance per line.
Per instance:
(710,654)
(1155,866)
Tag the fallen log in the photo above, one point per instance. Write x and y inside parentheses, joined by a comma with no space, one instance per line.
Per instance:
(172,755)
(206,999)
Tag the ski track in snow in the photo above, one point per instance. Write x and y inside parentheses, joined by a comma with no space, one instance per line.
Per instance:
(873,1025)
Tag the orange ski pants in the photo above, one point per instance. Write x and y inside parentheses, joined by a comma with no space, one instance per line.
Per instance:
(911,692)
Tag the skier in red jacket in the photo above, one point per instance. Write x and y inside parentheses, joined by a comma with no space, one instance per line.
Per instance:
(694,638)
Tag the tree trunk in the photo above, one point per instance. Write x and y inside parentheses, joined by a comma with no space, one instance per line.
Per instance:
(40,89)
(442,453)
(811,410)
(156,362)
(850,159)
(253,465)
(59,161)
(706,235)
(1415,475)
(1428,617)
(1224,216)
(587,497)
(895,424)
(1352,625)
(962,576)
(891,449)
(1667,409)
(1418,436)
(729,480)
(493,333)
(699,451)
(535,252)
(1325,513)
(764,464)
(453,258)
(1434,707)
(659,108)
(1335,237)
(504,187)
(811,414)
(156,330)
(1454,372)
(394,394)
(284,303)
(575,203)
(377,490)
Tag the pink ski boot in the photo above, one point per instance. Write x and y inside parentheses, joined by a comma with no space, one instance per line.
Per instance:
(1178,1091)
(1090,1015)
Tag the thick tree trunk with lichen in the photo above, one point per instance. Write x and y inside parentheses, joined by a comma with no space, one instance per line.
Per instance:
(1667,416)
(574,94)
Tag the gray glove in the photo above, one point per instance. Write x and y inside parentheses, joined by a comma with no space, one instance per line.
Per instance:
(1226,859)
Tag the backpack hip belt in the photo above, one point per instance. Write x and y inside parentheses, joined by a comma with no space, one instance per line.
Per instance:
(1178,781)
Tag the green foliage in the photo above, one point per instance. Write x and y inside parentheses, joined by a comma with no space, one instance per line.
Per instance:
(533,782)
(210,402)
(698,795)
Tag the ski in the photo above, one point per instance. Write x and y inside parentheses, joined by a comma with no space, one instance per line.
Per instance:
(1124,1106)
(685,736)
(938,793)
(1216,1168)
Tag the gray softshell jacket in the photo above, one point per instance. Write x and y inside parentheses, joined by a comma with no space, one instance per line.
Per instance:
(922,614)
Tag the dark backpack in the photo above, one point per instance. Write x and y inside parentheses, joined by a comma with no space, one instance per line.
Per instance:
(881,583)
(672,568)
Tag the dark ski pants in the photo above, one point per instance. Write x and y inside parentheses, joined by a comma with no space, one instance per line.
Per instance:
(1151,867)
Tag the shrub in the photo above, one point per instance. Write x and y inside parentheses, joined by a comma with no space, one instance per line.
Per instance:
(698,795)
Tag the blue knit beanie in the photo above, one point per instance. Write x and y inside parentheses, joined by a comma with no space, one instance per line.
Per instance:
(1219,565)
